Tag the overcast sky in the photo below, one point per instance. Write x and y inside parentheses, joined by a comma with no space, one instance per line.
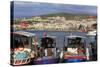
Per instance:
(28,9)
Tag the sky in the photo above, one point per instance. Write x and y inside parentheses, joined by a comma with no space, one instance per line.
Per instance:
(28,9)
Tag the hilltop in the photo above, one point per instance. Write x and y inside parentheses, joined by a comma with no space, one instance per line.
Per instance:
(66,15)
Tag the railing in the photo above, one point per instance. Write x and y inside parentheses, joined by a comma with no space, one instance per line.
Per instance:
(20,61)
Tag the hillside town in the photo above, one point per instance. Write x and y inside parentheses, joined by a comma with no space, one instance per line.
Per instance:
(57,23)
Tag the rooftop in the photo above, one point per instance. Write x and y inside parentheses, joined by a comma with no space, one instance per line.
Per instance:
(24,33)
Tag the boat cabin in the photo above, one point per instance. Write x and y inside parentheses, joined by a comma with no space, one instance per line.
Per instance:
(75,47)
(46,53)
(21,47)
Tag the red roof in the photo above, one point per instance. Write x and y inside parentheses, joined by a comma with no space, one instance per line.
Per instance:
(92,17)
(24,24)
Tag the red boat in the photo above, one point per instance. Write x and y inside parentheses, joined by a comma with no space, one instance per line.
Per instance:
(76,49)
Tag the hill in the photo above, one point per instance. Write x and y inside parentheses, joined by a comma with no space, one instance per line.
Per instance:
(66,15)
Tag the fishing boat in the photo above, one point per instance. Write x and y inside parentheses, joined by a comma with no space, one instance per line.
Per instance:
(76,49)
(47,54)
(21,47)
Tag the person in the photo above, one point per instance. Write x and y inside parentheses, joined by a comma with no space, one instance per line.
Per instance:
(42,51)
(32,54)
(21,47)
(61,56)
(20,52)
(94,52)
(80,50)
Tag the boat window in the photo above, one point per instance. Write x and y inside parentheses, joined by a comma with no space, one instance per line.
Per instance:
(75,42)
(71,43)
(19,40)
(47,42)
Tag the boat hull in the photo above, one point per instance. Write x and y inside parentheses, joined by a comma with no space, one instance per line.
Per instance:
(70,59)
(46,61)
